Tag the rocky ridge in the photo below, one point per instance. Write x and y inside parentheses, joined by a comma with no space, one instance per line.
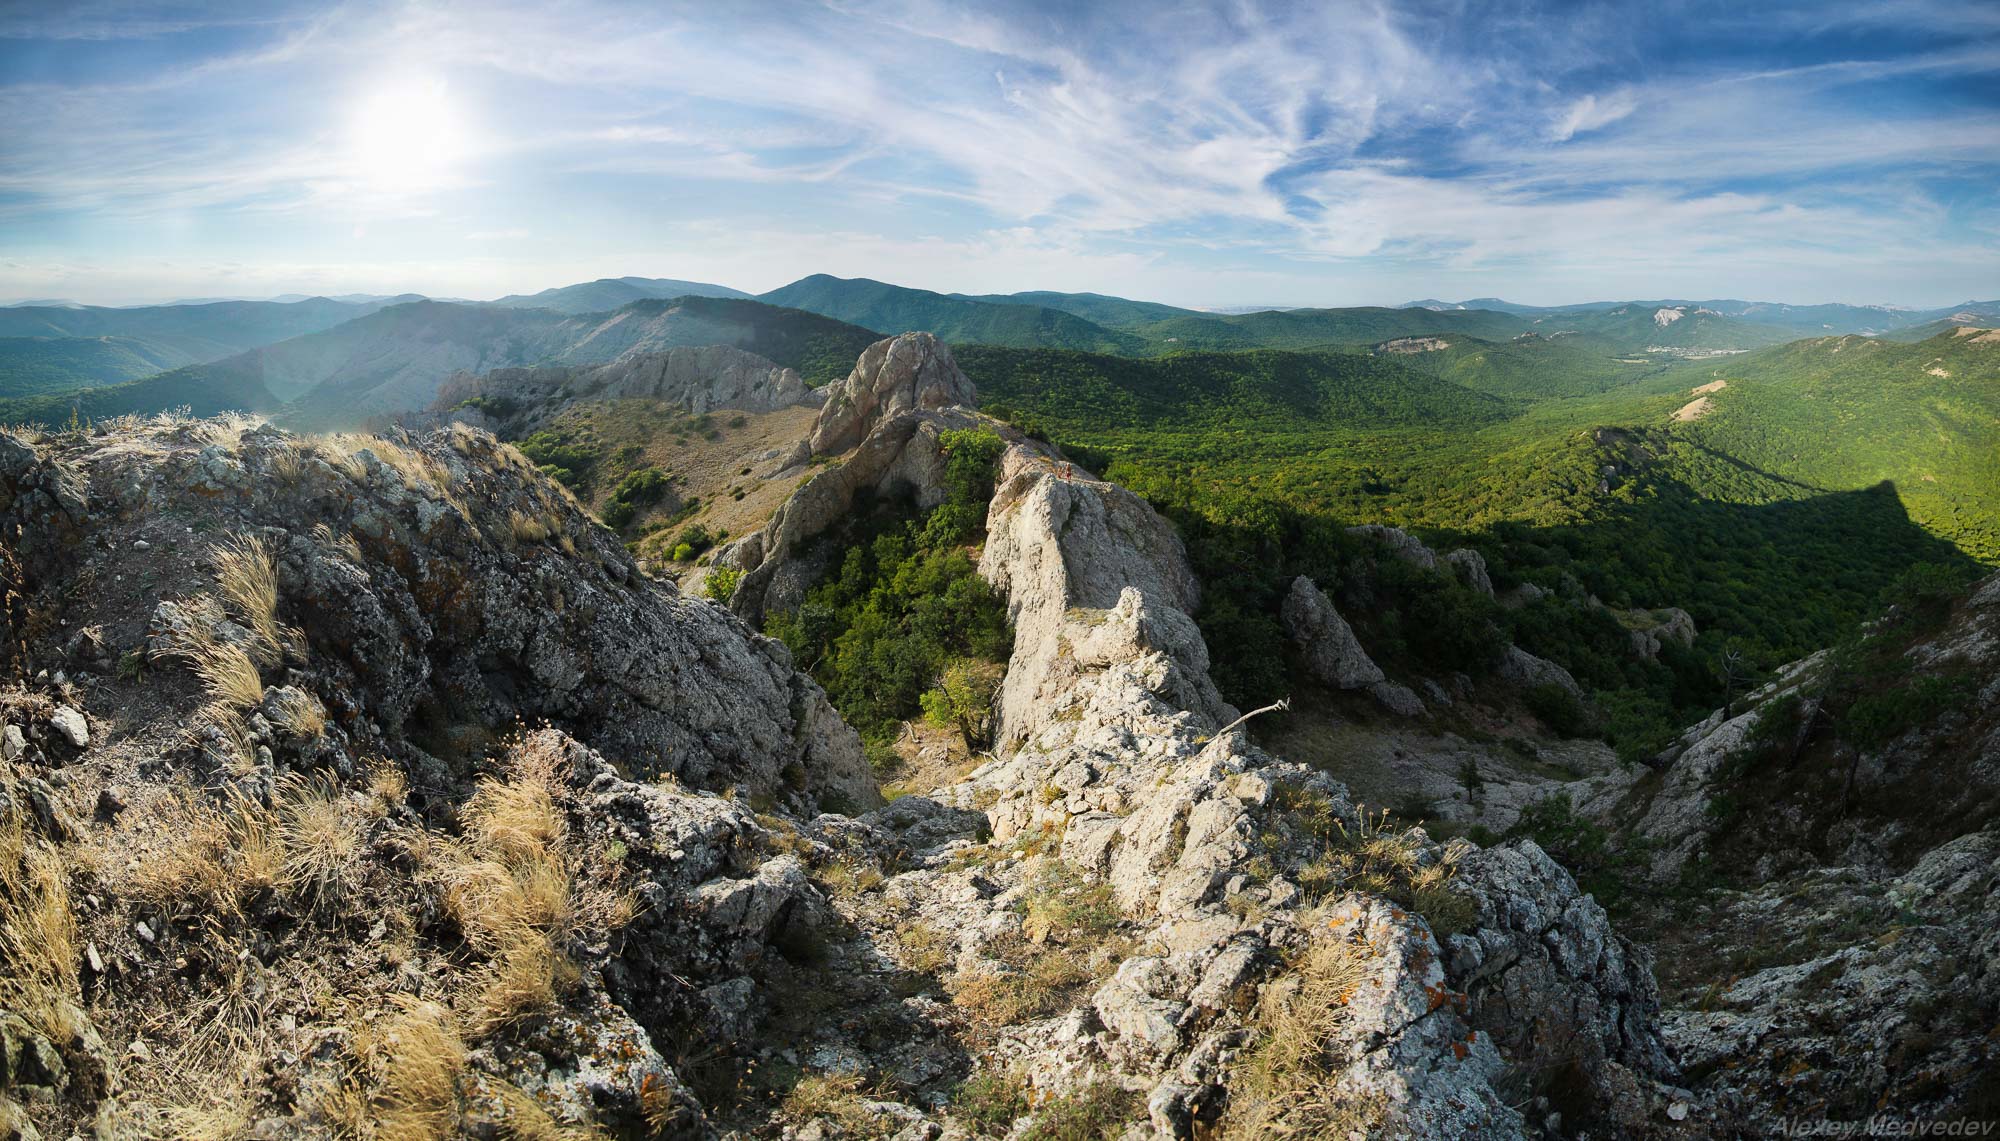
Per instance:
(695,378)
(1115,908)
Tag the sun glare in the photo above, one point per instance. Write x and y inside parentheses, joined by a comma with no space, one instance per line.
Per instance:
(406,136)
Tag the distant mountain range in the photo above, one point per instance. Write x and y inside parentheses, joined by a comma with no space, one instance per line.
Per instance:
(324,360)
(393,360)
(1796,320)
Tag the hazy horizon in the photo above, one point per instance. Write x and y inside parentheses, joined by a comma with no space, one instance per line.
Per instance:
(1209,156)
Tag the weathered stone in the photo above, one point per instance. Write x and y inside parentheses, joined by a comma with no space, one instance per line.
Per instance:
(1332,652)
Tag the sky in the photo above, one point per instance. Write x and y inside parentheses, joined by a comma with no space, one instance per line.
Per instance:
(1203,154)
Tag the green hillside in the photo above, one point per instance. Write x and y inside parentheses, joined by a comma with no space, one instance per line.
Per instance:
(1110,312)
(33,365)
(1263,458)
(1201,400)
(821,348)
(1637,327)
(608,293)
(896,309)
(1531,366)
(1312,328)
(1850,412)
(203,390)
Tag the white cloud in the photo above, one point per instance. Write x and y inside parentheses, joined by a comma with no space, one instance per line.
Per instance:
(1589,113)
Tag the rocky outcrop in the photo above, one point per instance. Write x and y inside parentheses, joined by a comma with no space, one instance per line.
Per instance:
(1399,542)
(1470,567)
(1656,628)
(434,583)
(697,378)
(1332,652)
(1093,576)
(885,424)
(910,373)
(1520,668)
(1120,896)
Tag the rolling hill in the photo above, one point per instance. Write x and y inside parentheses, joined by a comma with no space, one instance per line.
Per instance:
(393,360)
(1526,367)
(896,309)
(1110,312)
(31,366)
(608,293)
(164,336)
(1312,328)
(1849,412)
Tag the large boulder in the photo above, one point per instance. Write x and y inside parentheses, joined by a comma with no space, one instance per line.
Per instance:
(1333,654)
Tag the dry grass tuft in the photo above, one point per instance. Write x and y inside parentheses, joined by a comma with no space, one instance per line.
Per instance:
(412,1071)
(226,671)
(219,859)
(1287,1085)
(528,528)
(298,713)
(834,1098)
(343,542)
(521,887)
(322,842)
(38,934)
(249,584)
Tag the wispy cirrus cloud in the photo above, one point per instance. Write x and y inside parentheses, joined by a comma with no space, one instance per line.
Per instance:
(1344,152)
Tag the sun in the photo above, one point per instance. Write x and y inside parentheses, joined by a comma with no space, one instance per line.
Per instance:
(406,136)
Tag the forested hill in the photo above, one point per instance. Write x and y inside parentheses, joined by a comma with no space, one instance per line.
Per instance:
(894,309)
(1310,328)
(1849,412)
(1265,391)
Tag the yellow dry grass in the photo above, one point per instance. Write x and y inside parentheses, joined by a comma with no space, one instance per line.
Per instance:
(248,582)
(1288,1084)
(38,934)
(298,713)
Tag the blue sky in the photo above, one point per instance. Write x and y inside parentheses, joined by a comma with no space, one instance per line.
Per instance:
(1202,154)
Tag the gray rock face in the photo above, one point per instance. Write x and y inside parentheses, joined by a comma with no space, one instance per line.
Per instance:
(446,610)
(1332,652)
(1673,625)
(910,373)
(1470,567)
(1400,543)
(698,378)
(1397,698)
(1521,668)
(888,418)
(1092,576)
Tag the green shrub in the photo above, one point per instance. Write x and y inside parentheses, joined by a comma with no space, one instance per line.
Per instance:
(721,583)
(1558,709)
(640,489)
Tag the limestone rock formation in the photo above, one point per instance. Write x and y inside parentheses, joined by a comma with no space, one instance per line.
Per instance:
(910,373)
(1332,652)
(1470,567)
(1658,627)
(1399,542)
(885,423)
(1519,667)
